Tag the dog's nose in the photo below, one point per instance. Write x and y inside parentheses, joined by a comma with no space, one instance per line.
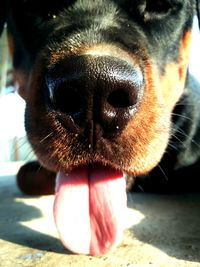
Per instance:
(95,91)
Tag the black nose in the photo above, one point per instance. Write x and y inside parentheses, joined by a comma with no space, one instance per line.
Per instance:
(95,91)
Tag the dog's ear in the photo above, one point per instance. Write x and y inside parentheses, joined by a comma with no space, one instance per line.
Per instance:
(2,14)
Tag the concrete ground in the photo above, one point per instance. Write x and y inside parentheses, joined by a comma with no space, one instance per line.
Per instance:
(163,231)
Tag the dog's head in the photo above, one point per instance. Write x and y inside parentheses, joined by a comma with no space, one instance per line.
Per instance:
(100,79)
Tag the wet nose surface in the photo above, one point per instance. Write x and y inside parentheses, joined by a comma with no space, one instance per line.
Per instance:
(103,90)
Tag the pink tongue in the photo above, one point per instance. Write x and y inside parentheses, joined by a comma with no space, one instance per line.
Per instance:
(89,209)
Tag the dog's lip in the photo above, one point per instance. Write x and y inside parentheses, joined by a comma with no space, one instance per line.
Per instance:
(127,174)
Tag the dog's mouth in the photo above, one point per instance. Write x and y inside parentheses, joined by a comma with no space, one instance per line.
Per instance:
(89,208)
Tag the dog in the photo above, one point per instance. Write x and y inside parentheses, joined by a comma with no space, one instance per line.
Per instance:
(110,107)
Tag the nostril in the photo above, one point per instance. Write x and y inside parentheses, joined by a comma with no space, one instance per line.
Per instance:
(67,99)
(121,98)
(64,99)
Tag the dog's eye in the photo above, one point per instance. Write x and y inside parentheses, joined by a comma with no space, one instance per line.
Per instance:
(156,9)
(43,9)
(158,6)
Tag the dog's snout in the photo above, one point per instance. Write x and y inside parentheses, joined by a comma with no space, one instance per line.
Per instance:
(103,90)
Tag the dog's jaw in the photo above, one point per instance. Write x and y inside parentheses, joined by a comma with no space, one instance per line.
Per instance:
(96,197)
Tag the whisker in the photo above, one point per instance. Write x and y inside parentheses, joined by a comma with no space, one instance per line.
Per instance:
(185,104)
(161,169)
(183,144)
(39,167)
(141,188)
(179,130)
(181,116)
(46,137)
(172,146)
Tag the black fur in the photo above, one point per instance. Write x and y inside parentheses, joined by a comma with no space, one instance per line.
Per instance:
(143,28)
(131,25)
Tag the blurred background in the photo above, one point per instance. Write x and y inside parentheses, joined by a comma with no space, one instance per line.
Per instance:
(13,141)
(14,146)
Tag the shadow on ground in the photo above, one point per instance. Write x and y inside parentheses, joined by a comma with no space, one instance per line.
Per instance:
(13,213)
(171,223)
